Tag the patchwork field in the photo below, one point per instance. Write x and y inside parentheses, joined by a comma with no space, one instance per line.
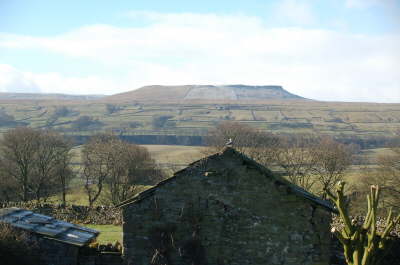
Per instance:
(195,118)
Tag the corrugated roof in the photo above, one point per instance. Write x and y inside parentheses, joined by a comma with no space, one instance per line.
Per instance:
(249,162)
(48,227)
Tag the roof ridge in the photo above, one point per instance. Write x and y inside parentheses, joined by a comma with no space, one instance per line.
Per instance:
(225,151)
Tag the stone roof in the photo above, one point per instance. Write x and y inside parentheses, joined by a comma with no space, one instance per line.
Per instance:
(48,227)
(227,151)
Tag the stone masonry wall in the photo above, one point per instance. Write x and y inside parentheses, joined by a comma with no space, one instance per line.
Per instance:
(51,252)
(54,252)
(100,259)
(223,211)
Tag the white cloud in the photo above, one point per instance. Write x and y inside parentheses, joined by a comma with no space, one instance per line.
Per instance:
(297,12)
(368,3)
(12,80)
(57,83)
(216,49)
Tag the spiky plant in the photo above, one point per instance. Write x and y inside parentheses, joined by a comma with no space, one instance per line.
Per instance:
(362,242)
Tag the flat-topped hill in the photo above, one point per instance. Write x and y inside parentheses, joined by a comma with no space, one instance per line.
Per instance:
(205,92)
(187,111)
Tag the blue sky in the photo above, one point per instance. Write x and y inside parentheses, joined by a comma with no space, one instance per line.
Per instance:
(344,50)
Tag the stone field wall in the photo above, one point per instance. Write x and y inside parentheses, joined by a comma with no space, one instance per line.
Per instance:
(73,213)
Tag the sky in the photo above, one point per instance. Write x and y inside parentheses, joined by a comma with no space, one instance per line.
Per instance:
(334,50)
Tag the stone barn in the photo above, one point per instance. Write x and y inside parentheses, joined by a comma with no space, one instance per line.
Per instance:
(226,209)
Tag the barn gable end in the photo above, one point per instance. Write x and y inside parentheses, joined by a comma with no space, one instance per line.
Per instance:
(226,209)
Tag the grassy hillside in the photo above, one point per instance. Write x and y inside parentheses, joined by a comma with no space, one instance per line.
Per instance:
(195,118)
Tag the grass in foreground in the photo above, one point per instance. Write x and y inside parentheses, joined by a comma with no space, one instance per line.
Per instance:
(108,233)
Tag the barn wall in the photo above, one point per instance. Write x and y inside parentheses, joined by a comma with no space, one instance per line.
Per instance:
(225,212)
(51,252)
(55,253)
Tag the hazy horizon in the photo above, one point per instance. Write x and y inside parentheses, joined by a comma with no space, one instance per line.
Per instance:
(105,95)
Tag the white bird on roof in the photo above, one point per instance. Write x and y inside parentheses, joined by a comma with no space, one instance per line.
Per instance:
(229,143)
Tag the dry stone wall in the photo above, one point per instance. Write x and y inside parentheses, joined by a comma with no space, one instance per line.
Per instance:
(74,213)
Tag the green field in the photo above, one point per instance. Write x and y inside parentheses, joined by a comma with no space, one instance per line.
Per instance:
(170,157)
(108,233)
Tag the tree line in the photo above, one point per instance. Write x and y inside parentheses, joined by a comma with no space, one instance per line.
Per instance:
(109,162)
(314,162)
(306,160)
(36,164)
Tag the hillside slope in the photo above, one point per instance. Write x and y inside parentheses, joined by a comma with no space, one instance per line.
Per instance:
(186,118)
(205,92)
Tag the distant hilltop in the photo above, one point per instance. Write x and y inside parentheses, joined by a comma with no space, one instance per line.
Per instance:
(206,92)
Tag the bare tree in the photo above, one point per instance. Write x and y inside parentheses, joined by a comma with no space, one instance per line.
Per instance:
(30,158)
(8,188)
(330,161)
(387,175)
(65,175)
(18,148)
(306,160)
(292,154)
(95,159)
(295,157)
(51,164)
(132,167)
(256,144)
(240,134)
(108,162)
